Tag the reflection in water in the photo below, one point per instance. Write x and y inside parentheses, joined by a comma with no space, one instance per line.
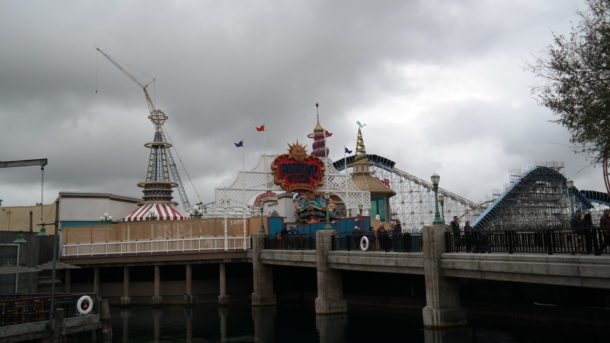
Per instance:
(188,315)
(125,318)
(156,312)
(223,313)
(331,328)
(264,323)
(299,324)
(457,335)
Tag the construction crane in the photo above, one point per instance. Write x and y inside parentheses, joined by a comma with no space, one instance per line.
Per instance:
(24,163)
(157,116)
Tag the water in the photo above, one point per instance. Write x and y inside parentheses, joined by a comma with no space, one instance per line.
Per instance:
(297,323)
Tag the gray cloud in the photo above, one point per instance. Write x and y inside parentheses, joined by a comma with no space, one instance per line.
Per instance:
(224,67)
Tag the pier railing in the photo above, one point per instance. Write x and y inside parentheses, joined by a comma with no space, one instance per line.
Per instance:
(196,244)
(292,242)
(403,242)
(548,241)
(34,308)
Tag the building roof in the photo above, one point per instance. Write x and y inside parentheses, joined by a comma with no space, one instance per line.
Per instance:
(159,211)
(366,182)
(98,195)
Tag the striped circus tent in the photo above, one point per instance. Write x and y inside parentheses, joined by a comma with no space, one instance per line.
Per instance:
(157,211)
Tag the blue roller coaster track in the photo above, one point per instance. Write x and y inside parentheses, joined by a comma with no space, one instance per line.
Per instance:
(508,200)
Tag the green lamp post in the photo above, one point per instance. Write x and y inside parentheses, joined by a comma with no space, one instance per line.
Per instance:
(20,238)
(441,200)
(437,217)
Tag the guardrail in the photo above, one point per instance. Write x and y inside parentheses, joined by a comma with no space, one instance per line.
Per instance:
(549,241)
(292,242)
(32,308)
(403,242)
(157,246)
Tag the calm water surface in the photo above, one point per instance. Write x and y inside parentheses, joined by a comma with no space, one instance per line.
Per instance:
(297,323)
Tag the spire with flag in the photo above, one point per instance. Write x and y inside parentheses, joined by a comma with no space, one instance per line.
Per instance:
(319,137)
(360,149)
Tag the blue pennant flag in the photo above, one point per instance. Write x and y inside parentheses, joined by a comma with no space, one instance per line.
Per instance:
(239,144)
(347,151)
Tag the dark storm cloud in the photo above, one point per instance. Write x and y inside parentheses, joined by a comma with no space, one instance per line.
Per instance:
(224,67)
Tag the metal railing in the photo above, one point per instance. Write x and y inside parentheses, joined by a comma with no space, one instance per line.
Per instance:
(291,242)
(403,242)
(33,308)
(157,246)
(549,241)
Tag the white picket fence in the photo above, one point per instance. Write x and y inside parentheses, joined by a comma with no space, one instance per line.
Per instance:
(157,246)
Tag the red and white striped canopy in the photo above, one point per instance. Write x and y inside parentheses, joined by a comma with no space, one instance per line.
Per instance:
(160,211)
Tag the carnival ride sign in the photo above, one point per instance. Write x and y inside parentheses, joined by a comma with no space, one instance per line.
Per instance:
(297,171)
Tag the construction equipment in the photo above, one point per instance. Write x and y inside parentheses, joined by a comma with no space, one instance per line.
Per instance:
(158,117)
(24,163)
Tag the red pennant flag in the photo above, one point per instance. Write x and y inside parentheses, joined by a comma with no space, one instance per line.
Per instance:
(260,128)
(327,134)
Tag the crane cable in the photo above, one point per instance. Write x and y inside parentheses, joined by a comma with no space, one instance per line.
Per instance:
(169,140)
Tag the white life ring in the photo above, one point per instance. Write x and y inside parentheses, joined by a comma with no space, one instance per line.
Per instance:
(364,243)
(84,305)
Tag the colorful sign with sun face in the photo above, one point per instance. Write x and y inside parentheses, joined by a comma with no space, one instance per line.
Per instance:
(297,171)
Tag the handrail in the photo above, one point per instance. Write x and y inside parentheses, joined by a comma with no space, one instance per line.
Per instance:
(157,246)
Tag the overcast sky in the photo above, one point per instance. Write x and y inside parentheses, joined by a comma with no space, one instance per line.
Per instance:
(442,86)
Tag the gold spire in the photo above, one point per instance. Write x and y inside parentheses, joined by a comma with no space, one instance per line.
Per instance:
(319,130)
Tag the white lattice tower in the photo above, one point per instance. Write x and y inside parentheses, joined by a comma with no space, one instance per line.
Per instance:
(251,183)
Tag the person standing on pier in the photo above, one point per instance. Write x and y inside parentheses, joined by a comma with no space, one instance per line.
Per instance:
(604,227)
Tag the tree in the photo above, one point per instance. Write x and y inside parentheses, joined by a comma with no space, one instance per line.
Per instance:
(577,75)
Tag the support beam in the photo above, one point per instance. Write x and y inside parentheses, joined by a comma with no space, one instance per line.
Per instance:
(330,282)
(96,282)
(156,300)
(125,298)
(223,298)
(262,275)
(442,294)
(188,286)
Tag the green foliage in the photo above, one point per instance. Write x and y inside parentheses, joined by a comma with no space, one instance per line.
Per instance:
(577,74)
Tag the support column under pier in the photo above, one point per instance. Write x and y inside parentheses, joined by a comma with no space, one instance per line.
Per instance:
(96,282)
(188,286)
(262,275)
(156,300)
(223,298)
(330,282)
(125,298)
(442,294)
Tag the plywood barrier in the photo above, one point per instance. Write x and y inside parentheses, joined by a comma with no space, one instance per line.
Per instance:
(158,230)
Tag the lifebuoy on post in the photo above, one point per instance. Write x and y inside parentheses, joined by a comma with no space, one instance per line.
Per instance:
(84,305)
(364,243)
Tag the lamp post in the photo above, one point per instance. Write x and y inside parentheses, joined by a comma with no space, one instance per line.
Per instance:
(262,230)
(327,226)
(106,218)
(152,215)
(441,200)
(435,179)
(570,185)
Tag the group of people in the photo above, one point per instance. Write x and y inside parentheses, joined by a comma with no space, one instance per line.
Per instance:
(585,233)
(471,238)
(387,239)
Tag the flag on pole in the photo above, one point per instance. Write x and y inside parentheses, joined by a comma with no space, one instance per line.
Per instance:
(348,151)
(327,134)
(239,144)
(260,128)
